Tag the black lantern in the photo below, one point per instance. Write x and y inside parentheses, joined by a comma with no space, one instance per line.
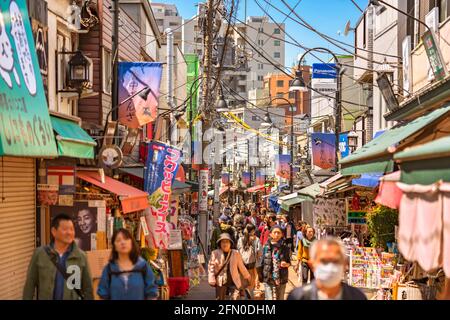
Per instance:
(78,69)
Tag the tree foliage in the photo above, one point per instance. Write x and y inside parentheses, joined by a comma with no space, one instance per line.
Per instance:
(381,222)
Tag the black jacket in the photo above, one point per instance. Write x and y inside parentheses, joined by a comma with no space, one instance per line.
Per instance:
(309,292)
(285,255)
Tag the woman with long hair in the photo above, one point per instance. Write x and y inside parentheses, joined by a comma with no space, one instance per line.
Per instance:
(303,258)
(127,276)
(250,249)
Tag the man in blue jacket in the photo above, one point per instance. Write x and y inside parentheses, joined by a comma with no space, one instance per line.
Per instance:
(328,263)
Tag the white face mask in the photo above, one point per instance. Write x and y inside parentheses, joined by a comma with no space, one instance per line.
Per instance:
(329,274)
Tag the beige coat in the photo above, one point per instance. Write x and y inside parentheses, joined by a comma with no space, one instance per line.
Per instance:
(237,269)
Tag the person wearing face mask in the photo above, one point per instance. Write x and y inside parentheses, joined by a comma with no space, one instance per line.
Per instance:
(328,263)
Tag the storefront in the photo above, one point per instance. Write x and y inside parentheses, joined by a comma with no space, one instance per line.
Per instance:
(25,136)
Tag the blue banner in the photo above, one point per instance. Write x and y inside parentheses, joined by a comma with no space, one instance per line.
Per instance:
(343,145)
(162,166)
(324,71)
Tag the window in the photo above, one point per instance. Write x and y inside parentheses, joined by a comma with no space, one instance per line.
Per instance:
(277,43)
(261,30)
(277,55)
(444,10)
(280,94)
(276,31)
(280,83)
(291,95)
(106,76)
(173,24)
(260,78)
(260,42)
(160,22)
(292,109)
(254,118)
(260,66)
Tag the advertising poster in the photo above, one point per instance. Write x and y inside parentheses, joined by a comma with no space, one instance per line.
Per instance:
(282,167)
(143,78)
(323,149)
(343,145)
(225,179)
(203,189)
(84,219)
(329,213)
(64,177)
(246,179)
(25,127)
(161,169)
(47,194)
(260,179)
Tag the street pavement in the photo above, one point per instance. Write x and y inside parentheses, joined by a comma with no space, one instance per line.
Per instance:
(205,292)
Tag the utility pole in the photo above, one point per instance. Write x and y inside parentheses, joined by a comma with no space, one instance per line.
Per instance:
(115,62)
(170,103)
(207,68)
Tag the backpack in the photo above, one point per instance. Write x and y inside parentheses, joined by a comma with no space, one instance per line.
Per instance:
(249,256)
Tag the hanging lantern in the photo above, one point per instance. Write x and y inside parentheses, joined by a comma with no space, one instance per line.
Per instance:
(78,70)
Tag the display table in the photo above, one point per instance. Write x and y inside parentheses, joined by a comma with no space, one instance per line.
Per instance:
(178,286)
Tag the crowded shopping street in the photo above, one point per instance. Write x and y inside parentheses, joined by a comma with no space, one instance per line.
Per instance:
(258,152)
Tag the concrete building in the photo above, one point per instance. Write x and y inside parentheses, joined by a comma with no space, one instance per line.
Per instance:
(167,16)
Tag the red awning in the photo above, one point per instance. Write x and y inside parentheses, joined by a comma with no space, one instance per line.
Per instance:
(132,199)
(256,189)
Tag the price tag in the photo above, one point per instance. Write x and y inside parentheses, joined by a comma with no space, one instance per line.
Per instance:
(144,226)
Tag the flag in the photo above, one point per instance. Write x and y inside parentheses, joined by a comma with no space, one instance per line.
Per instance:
(324,150)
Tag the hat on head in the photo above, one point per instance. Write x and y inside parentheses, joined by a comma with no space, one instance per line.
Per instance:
(224,218)
(225,236)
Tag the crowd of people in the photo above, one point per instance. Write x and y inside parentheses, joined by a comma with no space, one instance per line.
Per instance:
(252,249)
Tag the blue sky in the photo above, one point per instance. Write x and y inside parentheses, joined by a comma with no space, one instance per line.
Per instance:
(327,16)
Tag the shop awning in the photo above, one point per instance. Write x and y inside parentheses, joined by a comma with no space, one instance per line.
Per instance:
(256,189)
(426,164)
(311,191)
(368,180)
(132,199)
(389,193)
(285,205)
(377,155)
(72,140)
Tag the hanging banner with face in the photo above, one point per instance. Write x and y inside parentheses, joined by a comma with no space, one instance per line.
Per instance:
(260,179)
(161,169)
(143,78)
(282,166)
(246,179)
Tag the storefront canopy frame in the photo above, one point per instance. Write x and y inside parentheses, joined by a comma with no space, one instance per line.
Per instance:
(377,155)
(285,205)
(132,199)
(72,140)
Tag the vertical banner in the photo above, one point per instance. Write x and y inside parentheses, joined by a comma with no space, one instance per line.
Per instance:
(143,78)
(25,126)
(225,179)
(260,179)
(162,166)
(203,190)
(343,145)
(246,179)
(282,165)
(324,150)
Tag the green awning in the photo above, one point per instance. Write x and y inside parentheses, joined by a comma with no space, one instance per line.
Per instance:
(426,164)
(311,191)
(375,157)
(291,202)
(72,140)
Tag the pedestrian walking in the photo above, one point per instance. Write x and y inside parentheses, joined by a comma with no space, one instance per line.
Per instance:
(303,258)
(265,228)
(276,261)
(299,236)
(250,249)
(223,227)
(51,266)
(226,268)
(290,232)
(328,262)
(254,220)
(239,225)
(127,276)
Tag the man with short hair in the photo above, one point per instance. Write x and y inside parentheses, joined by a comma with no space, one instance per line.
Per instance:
(51,265)
(328,263)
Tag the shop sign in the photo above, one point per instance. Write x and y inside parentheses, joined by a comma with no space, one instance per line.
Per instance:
(343,145)
(47,194)
(357,217)
(25,127)
(387,91)
(65,200)
(161,169)
(407,67)
(203,189)
(434,55)
(175,240)
(64,177)
(324,71)
(329,212)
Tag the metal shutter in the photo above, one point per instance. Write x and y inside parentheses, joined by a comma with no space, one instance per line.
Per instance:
(17,223)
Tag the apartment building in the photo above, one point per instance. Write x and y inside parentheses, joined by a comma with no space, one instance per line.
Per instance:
(167,17)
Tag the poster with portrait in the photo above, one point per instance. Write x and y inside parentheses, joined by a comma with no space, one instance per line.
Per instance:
(84,219)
